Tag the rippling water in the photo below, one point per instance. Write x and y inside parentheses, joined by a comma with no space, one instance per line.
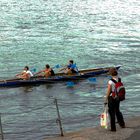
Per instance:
(93,33)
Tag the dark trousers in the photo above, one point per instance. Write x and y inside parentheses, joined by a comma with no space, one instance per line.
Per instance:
(113,108)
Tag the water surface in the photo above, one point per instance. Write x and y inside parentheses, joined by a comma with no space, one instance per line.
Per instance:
(91,32)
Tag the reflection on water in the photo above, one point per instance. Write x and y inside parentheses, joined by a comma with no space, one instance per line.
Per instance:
(48,86)
(27,89)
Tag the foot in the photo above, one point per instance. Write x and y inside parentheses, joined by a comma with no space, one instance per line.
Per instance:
(113,130)
(122,126)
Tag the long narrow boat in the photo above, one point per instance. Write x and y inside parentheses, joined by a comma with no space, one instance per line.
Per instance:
(59,77)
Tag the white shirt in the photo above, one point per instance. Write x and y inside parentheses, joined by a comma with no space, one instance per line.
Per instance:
(29,72)
(110,82)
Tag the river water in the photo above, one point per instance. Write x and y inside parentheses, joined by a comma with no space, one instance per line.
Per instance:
(94,33)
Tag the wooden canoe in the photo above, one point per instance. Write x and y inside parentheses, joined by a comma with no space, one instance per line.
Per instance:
(59,77)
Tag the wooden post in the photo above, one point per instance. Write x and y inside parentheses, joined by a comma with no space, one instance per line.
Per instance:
(1,131)
(59,118)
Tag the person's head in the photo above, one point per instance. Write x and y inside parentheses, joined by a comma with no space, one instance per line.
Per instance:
(47,66)
(26,68)
(113,72)
(71,61)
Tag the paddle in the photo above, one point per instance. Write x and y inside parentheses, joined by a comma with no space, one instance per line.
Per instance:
(33,70)
(92,80)
(70,84)
(57,66)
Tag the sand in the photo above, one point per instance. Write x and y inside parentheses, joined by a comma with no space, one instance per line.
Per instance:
(131,132)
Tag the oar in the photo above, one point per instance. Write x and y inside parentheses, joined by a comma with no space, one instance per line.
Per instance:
(92,80)
(33,70)
(70,84)
(57,66)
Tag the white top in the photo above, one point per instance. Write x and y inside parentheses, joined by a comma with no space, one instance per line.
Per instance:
(29,72)
(110,82)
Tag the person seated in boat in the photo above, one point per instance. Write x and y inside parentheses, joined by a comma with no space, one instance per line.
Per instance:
(25,74)
(47,72)
(71,68)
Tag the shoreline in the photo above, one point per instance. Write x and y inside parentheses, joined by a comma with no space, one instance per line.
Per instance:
(131,132)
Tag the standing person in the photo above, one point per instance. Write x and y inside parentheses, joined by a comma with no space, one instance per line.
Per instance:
(113,102)
(70,68)
(25,74)
(47,72)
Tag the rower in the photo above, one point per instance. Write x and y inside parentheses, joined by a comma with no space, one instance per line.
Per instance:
(25,74)
(47,72)
(71,68)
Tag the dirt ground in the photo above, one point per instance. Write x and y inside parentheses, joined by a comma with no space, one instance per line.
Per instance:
(131,132)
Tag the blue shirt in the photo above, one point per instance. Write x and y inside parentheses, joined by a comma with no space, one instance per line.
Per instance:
(73,67)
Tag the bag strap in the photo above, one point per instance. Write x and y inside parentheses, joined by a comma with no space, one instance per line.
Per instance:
(105,108)
(113,81)
(119,80)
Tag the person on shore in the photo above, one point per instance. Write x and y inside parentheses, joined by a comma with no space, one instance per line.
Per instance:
(113,101)
(70,68)
(47,72)
(25,74)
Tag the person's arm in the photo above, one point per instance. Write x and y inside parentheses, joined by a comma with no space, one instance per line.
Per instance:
(26,76)
(39,72)
(64,68)
(19,74)
(108,92)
